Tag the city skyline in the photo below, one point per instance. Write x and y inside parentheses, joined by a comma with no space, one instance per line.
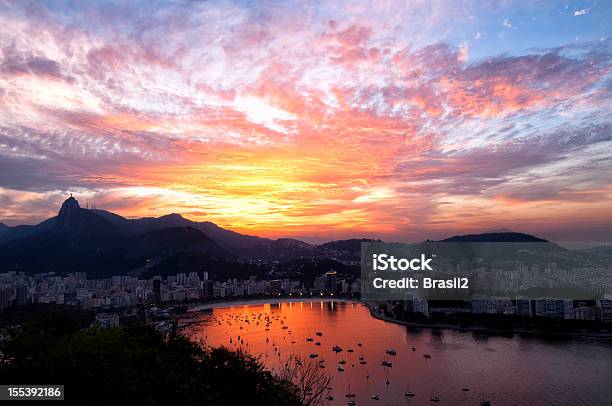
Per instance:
(317,121)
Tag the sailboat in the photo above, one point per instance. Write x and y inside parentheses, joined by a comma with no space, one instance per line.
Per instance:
(386,363)
(408,393)
(329,394)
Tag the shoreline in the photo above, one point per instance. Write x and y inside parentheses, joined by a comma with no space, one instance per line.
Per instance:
(486,330)
(242,303)
(370,306)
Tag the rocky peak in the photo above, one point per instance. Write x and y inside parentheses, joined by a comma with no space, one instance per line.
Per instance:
(68,215)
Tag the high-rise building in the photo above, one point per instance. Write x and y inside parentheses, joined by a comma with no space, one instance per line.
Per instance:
(276,287)
(554,308)
(417,305)
(480,304)
(180,278)
(523,307)
(207,288)
(330,281)
(157,291)
(21,296)
(5,299)
(605,305)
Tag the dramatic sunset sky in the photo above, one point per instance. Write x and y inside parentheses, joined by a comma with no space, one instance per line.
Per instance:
(320,120)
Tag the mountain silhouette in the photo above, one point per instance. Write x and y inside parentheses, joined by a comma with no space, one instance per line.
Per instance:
(98,241)
(242,245)
(102,243)
(495,237)
(350,245)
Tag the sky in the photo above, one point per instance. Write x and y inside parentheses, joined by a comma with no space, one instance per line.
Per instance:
(317,119)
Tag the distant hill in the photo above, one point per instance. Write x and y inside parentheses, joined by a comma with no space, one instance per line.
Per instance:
(521,246)
(168,240)
(351,245)
(245,246)
(3,228)
(242,245)
(13,233)
(495,237)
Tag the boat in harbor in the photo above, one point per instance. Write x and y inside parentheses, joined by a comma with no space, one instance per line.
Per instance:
(386,363)
(313,355)
(427,356)
(336,348)
(319,333)
(391,351)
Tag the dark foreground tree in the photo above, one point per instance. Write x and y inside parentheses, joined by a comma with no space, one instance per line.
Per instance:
(134,364)
(311,381)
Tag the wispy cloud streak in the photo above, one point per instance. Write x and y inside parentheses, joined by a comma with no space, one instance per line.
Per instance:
(308,119)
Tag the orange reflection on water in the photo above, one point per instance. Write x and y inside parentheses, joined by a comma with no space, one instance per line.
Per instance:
(505,370)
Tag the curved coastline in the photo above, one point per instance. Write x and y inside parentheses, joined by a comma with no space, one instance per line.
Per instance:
(373,313)
(521,332)
(241,303)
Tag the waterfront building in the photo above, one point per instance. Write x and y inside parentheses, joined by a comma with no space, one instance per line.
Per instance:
(331,281)
(479,304)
